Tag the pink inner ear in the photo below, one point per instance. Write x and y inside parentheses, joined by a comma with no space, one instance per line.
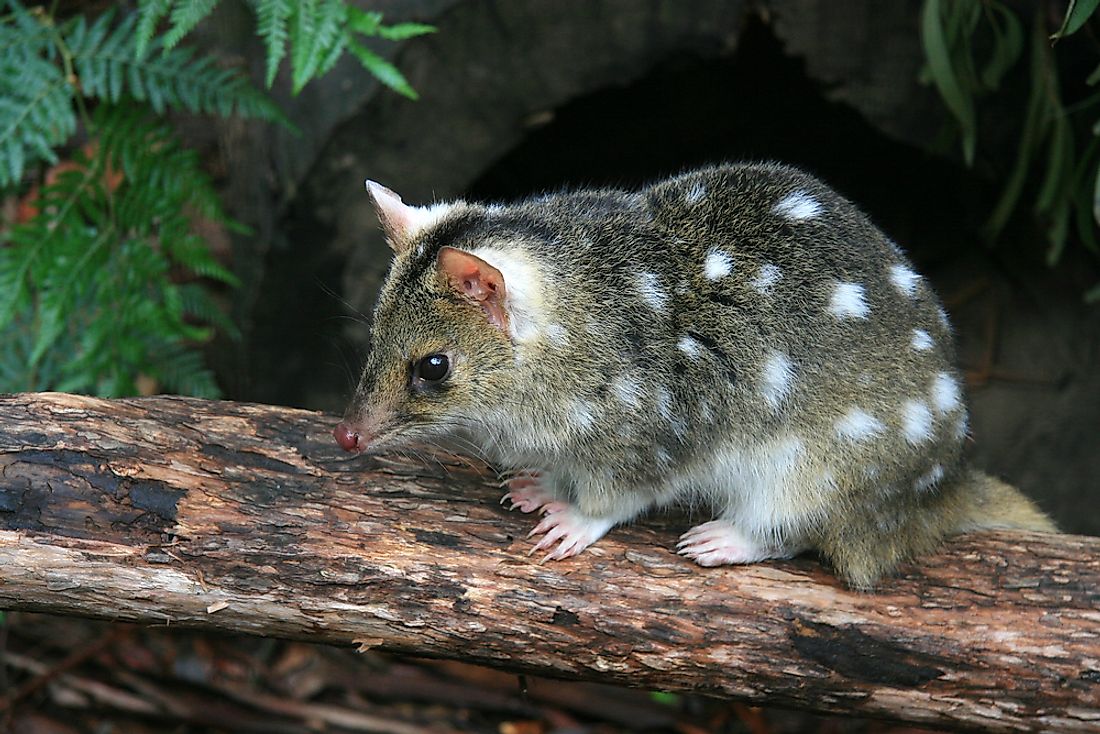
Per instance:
(477,280)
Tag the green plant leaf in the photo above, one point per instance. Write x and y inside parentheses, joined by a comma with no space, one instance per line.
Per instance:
(186,14)
(320,30)
(150,13)
(363,22)
(96,302)
(272,18)
(945,78)
(1077,13)
(1036,120)
(383,70)
(1096,198)
(108,66)
(1008,44)
(1059,164)
(402,31)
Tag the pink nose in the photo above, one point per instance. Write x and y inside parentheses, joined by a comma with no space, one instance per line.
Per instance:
(346,437)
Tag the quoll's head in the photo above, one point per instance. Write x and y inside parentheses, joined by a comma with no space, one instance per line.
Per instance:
(440,348)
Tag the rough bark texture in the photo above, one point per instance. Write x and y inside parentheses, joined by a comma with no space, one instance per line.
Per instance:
(246,518)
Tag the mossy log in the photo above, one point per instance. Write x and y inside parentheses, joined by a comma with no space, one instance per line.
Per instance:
(248,518)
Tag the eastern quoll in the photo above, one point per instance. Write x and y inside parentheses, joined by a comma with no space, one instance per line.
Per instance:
(740,339)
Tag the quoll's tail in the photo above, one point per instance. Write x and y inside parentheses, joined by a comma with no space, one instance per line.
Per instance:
(867,542)
(995,504)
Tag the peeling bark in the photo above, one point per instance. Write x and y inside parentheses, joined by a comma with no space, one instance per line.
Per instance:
(248,518)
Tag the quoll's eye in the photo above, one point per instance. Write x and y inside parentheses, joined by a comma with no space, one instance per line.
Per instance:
(433,368)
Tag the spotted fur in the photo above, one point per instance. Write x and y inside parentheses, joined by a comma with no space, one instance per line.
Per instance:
(738,338)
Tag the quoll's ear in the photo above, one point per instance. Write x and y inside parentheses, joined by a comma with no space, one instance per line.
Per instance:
(477,280)
(398,218)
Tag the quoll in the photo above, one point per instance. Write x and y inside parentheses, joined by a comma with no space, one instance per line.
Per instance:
(739,338)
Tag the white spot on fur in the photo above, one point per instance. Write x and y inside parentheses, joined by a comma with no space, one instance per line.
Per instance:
(944,321)
(916,422)
(922,341)
(904,279)
(663,456)
(962,427)
(928,481)
(945,393)
(777,378)
(848,301)
(717,264)
(767,277)
(523,300)
(858,425)
(799,205)
(696,193)
(690,346)
(664,403)
(649,287)
(627,390)
(582,414)
(557,334)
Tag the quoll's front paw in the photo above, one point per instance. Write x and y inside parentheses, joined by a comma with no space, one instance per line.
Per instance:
(566,532)
(526,492)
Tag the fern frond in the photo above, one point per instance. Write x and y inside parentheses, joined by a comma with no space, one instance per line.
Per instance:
(108,65)
(150,14)
(89,276)
(386,72)
(35,99)
(403,31)
(186,14)
(272,18)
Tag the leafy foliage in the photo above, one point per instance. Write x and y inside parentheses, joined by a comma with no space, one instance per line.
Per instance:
(1058,153)
(106,284)
(317,31)
(90,291)
(47,69)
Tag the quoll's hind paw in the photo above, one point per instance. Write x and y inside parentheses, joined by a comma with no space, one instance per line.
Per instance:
(566,532)
(527,493)
(719,542)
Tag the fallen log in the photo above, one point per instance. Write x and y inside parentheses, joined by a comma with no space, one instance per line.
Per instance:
(248,518)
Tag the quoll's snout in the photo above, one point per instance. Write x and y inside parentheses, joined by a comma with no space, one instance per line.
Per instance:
(348,438)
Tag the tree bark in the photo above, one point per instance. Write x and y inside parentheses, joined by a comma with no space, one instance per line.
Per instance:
(248,518)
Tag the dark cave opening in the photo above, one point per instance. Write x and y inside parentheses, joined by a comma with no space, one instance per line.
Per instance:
(755,104)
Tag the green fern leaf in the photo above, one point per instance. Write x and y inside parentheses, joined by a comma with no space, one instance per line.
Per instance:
(108,66)
(85,285)
(386,72)
(402,31)
(360,21)
(318,30)
(272,18)
(150,13)
(186,14)
(36,112)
